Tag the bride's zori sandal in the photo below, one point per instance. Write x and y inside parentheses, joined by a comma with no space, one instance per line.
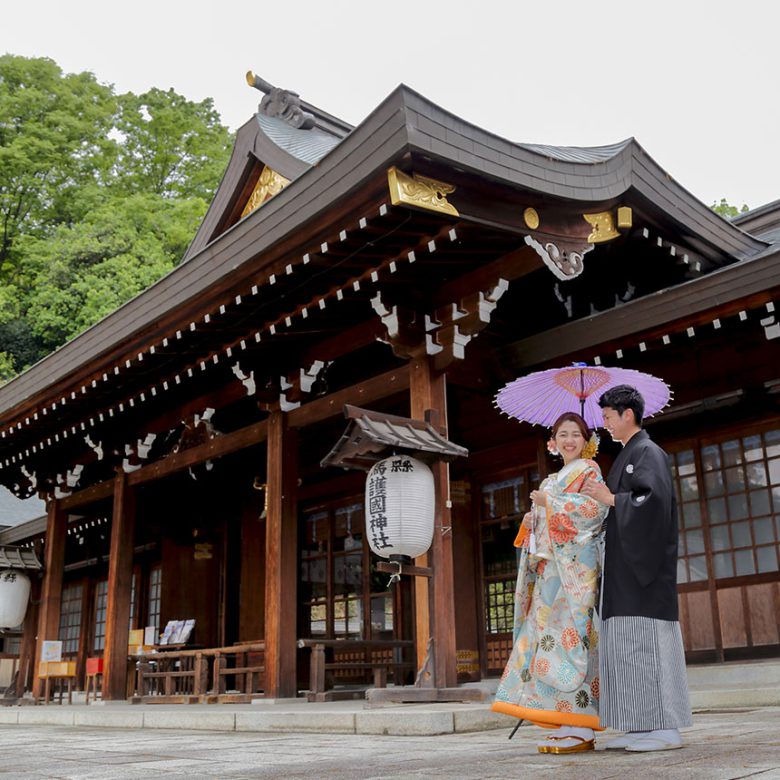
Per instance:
(582,745)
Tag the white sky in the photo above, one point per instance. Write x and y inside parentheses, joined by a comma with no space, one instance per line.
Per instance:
(695,82)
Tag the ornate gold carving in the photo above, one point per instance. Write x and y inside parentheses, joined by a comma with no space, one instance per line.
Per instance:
(603,227)
(531,218)
(269,184)
(420,191)
(624,217)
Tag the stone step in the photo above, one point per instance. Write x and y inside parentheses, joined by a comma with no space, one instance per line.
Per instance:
(399,720)
(751,674)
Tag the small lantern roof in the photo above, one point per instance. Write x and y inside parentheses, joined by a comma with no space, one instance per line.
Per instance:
(372,436)
(18,558)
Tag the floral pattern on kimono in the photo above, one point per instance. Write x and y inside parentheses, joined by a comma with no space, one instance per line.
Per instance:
(551,677)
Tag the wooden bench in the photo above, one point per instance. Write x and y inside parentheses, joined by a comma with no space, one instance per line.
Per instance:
(351,660)
(62,671)
(183,676)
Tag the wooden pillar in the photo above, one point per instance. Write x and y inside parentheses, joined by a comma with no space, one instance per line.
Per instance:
(281,572)
(435,612)
(120,582)
(51,590)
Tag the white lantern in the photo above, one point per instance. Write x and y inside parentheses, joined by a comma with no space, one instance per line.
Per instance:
(14,596)
(400,506)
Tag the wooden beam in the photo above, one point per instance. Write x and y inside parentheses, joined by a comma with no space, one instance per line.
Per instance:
(88,495)
(281,573)
(435,612)
(388,567)
(120,580)
(332,405)
(51,591)
(344,342)
(315,411)
(510,266)
(220,445)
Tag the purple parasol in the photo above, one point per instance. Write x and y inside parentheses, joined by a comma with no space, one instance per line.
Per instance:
(542,397)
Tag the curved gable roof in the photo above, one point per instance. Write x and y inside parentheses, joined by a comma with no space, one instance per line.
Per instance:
(404,122)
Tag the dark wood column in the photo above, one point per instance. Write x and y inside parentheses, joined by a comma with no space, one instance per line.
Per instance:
(281,569)
(435,612)
(51,590)
(120,581)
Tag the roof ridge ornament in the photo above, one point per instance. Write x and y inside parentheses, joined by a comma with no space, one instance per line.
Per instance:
(280,103)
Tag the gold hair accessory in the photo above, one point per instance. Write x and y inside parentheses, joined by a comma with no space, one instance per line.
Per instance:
(591,448)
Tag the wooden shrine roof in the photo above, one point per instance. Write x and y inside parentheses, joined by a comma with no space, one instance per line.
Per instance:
(372,436)
(279,257)
(19,558)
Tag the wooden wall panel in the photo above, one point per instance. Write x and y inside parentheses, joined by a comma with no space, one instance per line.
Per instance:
(190,589)
(764,618)
(251,621)
(464,557)
(732,618)
(696,617)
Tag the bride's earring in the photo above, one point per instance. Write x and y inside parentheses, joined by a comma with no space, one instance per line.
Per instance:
(552,448)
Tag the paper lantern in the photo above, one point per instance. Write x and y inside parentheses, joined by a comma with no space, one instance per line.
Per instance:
(14,596)
(400,507)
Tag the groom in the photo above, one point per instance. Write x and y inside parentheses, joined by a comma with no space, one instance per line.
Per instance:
(644,687)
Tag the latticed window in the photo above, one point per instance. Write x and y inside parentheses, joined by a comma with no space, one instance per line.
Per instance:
(503,505)
(101,603)
(155,590)
(499,610)
(692,561)
(729,501)
(70,618)
(132,603)
(343,594)
(742,488)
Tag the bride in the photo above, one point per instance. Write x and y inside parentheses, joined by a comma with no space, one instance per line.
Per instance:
(551,678)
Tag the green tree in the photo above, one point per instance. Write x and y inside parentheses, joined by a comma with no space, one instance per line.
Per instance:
(6,367)
(170,146)
(725,209)
(54,142)
(83,272)
(99,196)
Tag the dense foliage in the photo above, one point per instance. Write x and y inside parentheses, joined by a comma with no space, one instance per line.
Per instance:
(100,194)
(725,209)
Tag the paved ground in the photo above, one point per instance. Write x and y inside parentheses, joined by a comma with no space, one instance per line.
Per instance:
(722,745)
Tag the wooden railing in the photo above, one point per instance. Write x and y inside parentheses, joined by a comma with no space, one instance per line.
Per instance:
(190,676)
(351,661)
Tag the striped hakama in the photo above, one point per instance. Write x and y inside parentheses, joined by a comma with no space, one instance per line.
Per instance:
(644,685)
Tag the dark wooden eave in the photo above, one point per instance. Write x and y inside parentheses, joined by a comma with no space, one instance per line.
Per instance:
(720,293)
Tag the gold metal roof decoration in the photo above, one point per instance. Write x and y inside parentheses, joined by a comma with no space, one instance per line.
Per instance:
(531,218)
(269,184)
(420,191)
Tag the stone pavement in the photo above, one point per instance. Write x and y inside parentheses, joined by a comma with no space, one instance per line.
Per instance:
(722,745)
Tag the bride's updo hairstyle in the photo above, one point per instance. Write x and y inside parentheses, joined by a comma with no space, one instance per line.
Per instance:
(591,440)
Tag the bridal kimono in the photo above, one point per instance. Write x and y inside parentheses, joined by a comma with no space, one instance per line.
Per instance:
(551,678)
